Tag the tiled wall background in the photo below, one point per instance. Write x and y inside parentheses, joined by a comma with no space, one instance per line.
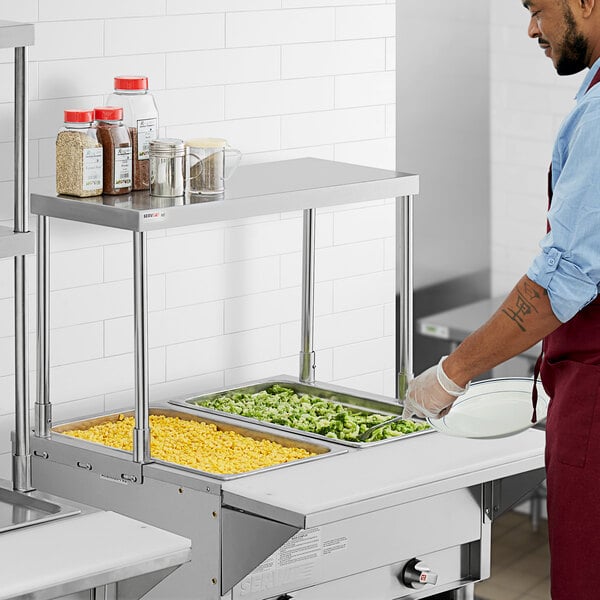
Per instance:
(528,102)
(282,79)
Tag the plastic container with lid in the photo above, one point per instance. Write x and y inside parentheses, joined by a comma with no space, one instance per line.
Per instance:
(78,155)
(116,143)
(141,116)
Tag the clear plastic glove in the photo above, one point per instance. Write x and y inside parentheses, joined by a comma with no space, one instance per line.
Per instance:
(431,394)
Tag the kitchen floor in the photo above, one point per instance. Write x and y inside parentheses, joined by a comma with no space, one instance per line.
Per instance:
(520,561)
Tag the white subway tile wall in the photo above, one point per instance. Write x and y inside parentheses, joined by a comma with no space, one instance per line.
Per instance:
(528,103)
(282,79)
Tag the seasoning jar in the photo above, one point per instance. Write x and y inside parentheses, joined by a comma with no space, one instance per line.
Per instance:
(116,143)
(167,167)
(141,116)
(78,155)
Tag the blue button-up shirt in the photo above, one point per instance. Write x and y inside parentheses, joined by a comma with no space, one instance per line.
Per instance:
(568,266)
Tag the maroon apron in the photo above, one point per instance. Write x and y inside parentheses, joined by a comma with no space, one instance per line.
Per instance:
(570,372)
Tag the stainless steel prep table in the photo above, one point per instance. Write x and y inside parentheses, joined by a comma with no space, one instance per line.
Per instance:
(346,526)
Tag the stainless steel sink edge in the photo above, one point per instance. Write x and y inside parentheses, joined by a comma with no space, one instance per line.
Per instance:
(24,509)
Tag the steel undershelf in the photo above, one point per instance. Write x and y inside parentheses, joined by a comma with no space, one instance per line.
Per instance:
(253,190)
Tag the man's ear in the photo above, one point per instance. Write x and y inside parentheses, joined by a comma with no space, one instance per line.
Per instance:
(587,7)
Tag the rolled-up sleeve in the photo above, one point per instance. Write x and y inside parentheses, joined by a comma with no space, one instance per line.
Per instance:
(568,266)
(569,288)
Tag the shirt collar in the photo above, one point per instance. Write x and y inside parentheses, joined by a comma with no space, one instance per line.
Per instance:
(588,79)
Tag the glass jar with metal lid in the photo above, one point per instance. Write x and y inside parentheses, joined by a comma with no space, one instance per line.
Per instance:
(167,167)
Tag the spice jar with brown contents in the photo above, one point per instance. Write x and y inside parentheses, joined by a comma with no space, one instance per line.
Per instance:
(78,156)
(141,116)
(116,143)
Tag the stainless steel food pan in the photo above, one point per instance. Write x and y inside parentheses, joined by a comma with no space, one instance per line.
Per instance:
(255,431)
(352,399)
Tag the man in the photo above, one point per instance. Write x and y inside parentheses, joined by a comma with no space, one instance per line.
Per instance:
(557,301)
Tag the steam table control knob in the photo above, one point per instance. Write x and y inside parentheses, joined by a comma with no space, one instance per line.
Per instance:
(417,574)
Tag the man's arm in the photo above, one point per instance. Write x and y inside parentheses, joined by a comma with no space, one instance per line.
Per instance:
(523,319)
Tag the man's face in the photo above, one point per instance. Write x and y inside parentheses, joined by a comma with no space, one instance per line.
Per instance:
(553,24)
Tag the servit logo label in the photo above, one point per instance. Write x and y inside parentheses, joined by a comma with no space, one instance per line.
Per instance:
(153,215)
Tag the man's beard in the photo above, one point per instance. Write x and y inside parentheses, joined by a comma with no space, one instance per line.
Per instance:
(574,51)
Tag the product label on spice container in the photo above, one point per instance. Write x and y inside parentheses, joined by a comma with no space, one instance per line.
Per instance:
(92,169)
(122,168)
(147,130)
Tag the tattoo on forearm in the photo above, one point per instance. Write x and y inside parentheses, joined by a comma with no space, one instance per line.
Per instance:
(523,306)
(530,292)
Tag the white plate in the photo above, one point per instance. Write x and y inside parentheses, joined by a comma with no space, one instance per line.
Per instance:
(493,408)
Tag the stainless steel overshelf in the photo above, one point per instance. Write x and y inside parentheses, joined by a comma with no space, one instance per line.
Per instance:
(15,244)
(254,190)
(13,34)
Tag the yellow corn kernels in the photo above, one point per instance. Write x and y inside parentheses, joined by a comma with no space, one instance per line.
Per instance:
(194,444)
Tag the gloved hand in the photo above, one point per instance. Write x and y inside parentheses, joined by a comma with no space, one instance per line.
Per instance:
(431,394)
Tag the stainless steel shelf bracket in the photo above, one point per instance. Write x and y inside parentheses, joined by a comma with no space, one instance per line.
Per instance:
(141,434)
(404,294)
(43,408)
(21,446)
(307,354)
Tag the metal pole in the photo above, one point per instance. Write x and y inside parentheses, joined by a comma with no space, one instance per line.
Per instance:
(307,354)
(43,408)
(141,435)
(466,592)
(21,448)
(404,294)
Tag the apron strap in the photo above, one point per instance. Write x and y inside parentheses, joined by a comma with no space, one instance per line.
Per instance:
(594,81)
(534,391)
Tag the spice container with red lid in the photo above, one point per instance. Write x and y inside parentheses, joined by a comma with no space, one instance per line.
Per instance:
(140,115)
(116,143)
(78,155)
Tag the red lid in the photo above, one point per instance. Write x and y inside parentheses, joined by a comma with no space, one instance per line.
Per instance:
(131,82)
(79,116)
(108,113)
